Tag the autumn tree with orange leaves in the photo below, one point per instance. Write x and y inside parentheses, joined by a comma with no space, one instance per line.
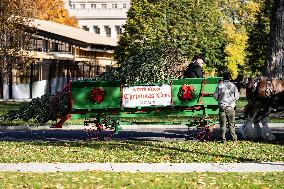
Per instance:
(54,10)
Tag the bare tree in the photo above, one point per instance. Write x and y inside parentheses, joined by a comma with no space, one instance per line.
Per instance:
(275,52)
(15,38)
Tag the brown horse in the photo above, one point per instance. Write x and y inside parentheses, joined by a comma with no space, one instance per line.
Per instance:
(263,95)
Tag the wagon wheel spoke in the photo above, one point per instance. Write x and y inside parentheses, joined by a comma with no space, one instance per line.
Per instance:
(100,129)
(204,133)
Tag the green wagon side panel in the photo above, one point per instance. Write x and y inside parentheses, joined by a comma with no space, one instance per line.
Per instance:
(112,98)
(210,85)
(206,85)
(81,95)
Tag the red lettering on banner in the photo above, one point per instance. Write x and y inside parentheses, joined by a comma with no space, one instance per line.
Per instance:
(159,95)
(153,89)
(125,96)
(163,95)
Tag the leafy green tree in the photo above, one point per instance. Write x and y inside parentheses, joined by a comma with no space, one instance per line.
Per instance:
(183,26)
(239,17)
(258,33)
(42,109)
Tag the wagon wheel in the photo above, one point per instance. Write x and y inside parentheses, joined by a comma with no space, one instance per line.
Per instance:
(204,129)
(102,130)
(204,132)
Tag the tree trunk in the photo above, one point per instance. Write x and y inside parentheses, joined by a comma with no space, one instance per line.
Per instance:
(275,51)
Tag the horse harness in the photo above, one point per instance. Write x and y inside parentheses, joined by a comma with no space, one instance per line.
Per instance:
(270,89)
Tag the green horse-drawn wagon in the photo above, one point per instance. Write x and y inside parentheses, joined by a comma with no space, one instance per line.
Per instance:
(103,103)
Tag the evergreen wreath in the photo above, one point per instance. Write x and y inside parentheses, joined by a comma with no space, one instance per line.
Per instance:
(97,95)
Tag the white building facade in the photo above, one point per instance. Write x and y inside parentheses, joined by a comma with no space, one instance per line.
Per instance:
(103,17)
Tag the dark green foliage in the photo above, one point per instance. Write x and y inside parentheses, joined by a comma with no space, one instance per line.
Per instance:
(150,65)
(41,110)
(258,39)
(155,27)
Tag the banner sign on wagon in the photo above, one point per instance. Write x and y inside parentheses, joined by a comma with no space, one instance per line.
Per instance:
(141,96)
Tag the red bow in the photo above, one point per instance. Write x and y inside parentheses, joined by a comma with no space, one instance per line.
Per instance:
(187,90)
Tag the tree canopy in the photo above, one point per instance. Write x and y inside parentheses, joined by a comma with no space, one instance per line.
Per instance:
(222,29)
(53,10)
(258,32)
(183,26)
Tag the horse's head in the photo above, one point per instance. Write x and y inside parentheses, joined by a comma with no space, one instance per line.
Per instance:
(250,88)
(262,88)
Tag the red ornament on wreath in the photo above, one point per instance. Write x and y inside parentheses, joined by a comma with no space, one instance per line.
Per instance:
(97,95)
(186,92)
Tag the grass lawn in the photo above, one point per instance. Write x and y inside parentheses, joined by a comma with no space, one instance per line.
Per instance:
(141,180)
(6,106)
(140,152)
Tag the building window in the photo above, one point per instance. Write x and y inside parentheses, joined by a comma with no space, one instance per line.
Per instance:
(85,28)
(93,6)
(114,6)
(72,6)
(39,44)
(124,6)
(108,31)
(96,29)
(118,30)
(104,6)
(83,6)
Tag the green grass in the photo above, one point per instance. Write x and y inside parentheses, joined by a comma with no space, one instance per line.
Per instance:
(5,107)
(140,152)
(96,179)
(241,103)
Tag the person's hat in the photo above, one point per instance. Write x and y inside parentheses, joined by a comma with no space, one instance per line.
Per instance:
(226,75)
(201,56)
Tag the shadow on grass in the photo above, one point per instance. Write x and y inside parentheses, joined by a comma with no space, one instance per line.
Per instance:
(136,146)
(129,141)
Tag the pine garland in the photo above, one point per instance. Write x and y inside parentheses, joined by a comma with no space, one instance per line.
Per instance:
(42,109)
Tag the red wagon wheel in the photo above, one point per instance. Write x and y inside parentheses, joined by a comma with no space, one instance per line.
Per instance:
(205,132)
(100,129)
(203,128)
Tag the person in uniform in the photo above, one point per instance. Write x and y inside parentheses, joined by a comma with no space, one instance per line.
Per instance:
(194,69)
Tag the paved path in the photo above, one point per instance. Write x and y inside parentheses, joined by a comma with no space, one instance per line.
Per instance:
(144,167)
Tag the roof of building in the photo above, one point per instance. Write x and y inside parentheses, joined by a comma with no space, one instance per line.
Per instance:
(71,35)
